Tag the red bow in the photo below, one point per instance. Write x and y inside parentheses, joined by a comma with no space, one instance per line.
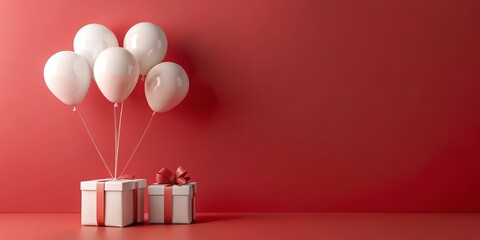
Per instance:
(165,176)
(127,176)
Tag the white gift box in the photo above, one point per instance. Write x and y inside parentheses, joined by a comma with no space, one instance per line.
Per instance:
(118,205)
(182,205)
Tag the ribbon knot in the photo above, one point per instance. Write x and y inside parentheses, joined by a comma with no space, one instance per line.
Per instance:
(165,176)
(127,176)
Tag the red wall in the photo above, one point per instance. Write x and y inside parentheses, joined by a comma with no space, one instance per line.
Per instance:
(294,105)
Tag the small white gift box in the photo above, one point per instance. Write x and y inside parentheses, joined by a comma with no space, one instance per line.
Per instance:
(113,203)
(171,203)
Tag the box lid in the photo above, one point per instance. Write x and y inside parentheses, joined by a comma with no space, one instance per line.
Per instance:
(113,185)
(185,189)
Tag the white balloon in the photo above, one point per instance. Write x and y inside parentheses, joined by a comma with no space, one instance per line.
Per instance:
(116,73)
(67,75)
(166,86)
(148,43)
(91,40)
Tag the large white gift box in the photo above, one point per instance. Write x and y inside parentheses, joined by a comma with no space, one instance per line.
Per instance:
(113,203)
(171,203)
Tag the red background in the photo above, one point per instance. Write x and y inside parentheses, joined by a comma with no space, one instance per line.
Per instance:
(294,105)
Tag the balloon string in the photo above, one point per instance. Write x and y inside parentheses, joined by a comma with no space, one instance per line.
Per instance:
(93,141)
(115,137)
(118,138)
(138,144)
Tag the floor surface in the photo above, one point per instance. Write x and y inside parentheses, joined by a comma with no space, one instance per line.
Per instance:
(233,226)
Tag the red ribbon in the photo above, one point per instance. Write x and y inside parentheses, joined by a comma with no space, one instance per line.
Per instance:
(165,176)
(101,200)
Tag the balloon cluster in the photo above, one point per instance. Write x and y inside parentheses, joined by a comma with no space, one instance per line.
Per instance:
(116,70)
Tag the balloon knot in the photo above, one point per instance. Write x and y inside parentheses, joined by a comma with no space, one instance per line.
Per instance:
(115,105)
(74,108)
